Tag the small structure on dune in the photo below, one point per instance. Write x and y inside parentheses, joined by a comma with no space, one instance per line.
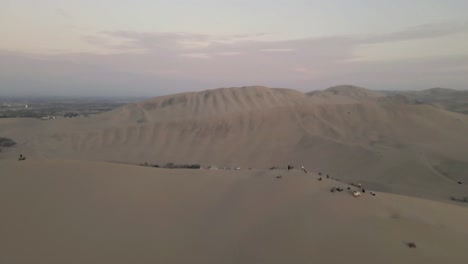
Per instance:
(412,245)
(338,189)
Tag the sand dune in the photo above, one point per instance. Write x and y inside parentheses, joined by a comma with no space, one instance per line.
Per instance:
(350,132)
(198,105)
(55,210)
(448,99)
(88,212)
(346,94)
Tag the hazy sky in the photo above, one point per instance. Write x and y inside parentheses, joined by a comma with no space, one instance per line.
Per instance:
(151,47)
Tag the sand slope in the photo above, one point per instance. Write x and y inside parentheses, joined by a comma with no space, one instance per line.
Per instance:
(205,104)
(350,132)
(448,99)
(87,212)
(345,94)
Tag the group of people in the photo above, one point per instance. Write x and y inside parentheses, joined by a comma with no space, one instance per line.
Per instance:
(292,167)
(356,193)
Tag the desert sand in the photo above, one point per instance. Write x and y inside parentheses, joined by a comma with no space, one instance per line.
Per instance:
(448,99)
(59,211)
(391,143)
(80,196)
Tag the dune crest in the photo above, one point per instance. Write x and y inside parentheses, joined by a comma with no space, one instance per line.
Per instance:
(206,104)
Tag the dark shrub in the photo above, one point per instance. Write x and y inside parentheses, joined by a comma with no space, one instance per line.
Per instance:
(6,142)
(463,200)
(169,165)
(182,166)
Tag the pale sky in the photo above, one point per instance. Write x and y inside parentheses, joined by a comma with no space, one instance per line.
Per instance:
(144,47)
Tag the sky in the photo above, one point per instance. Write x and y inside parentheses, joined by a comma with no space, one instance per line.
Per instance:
(151,47)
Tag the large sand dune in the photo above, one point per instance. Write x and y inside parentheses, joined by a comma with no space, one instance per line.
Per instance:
(87,212)
(354,134)
(448,99)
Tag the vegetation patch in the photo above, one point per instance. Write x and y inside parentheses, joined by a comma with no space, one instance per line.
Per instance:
(173,166)
(6,143)
(462,200)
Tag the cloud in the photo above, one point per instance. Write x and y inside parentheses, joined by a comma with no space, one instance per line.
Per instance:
(425,31)
(154,42)
(306,73)
(142,74)
(157,41)
(277,50)
(6,4)
(62,13)
(165,62)
(246,36)
(112,45)
(228,53)
(197,55)
(303,70)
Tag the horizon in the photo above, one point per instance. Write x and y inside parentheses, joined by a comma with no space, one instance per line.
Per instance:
(145,97)
(127,48)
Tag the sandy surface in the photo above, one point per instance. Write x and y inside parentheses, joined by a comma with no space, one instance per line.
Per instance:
(352,133)
(87,212)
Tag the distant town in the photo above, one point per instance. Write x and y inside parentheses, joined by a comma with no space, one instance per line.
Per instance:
(50,108)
